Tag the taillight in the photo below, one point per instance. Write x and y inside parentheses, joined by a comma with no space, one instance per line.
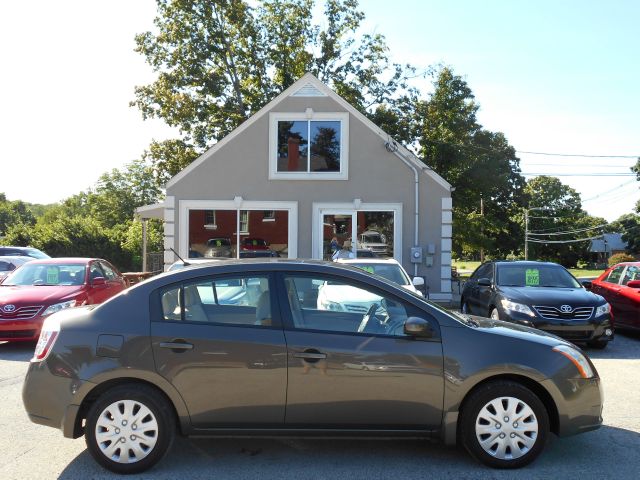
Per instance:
(48,335)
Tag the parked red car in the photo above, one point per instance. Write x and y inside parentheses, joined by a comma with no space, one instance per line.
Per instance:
(620,286)
(42,287)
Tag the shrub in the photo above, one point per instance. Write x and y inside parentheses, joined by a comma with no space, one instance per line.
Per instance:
(619,258)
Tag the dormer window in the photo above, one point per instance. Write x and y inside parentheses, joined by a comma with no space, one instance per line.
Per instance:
(308,146)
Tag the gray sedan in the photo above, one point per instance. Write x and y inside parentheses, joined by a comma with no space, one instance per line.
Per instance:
(261,348)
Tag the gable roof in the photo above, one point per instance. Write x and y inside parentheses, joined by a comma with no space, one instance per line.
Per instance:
(309,85)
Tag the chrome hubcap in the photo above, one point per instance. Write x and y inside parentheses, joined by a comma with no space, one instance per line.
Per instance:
(511,439)
(126,431)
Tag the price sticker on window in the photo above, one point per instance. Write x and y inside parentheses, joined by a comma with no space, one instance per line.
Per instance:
(532,277)
(52,275)
(367,268)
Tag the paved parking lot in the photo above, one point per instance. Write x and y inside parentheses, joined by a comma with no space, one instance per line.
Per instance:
(31,451)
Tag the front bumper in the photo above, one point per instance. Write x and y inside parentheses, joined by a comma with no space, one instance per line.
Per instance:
(572,330)
(579,402)
(20,330)
(53,400)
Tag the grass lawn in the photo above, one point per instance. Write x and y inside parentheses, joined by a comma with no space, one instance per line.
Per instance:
(576,272)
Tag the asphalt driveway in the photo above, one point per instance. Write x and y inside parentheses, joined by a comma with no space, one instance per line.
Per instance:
(33,451)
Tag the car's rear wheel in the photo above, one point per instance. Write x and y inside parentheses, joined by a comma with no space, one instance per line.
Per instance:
(504,425)
(129,428)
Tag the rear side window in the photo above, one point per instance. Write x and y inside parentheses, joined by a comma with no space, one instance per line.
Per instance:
(241,300)
(615,274)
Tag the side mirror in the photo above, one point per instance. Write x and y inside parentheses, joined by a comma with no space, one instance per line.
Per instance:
(417,327)
(587,284)
(98,281)
(634,284)
(484,282)
(418,281)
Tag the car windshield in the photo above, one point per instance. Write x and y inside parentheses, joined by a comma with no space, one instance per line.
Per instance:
(389,271)
(58,274)
(535,276)
(372,238)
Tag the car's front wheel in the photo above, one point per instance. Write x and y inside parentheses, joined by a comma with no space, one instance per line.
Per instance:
(129,428)
(598,344)
(504,425)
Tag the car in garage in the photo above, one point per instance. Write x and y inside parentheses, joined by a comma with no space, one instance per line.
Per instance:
(543,295)
(171,356)
(387,268)
(40,288)
(620,286)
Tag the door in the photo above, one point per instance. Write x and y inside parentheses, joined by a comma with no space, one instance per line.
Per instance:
(628,301)
(478,296)
(337,227)
(220,343)
(351,365)
(609,288)
(100,292)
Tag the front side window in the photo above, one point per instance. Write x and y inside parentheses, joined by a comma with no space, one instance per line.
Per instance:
(615,274)
(484,271)
(240,300)
(632,273)
(326,304)
(111,275)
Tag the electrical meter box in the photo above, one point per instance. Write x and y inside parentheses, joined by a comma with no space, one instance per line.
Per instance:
(416,254)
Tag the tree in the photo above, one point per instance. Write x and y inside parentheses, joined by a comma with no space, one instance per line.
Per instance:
(454,144)
(553,230)
(14,213)
(636,170)
(629,226)
(220,61)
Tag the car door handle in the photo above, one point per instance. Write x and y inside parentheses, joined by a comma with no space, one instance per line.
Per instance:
(310,355)
(177,345)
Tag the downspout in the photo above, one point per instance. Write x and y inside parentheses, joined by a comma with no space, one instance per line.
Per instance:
(393,148)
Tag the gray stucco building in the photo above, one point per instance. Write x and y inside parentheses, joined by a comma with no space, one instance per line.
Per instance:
(307,172)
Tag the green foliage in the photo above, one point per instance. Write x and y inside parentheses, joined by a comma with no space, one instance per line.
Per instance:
(455,145)
(132,240)
(98,222)
(14,213)
(629,226)
(563,219)
(220,61)
(619,258)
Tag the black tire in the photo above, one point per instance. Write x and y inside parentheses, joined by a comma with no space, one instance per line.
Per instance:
(142,396)
(598,344)
(477,402)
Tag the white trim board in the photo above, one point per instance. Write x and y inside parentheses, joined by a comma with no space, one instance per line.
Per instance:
(186,205)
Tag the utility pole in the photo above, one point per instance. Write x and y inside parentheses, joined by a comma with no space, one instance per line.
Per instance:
(482,229)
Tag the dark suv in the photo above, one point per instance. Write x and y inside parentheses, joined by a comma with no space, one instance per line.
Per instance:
(543,295)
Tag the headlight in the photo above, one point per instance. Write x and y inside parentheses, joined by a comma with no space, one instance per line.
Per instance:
(329,305)
(516,307)
(603,309)
(59,306)
(577,358)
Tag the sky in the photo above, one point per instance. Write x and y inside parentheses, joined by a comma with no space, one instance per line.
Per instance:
(553,76)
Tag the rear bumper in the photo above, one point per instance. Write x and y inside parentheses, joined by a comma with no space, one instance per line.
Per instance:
(53,400)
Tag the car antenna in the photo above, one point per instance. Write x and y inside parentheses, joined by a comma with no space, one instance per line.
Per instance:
(176,254)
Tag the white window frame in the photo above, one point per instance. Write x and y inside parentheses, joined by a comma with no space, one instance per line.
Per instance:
(321,209)
(245,230)
(270,218)
(186,205)
(309,115)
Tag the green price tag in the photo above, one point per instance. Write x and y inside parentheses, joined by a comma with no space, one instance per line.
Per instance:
(532,277)
(52,275)
(366,268)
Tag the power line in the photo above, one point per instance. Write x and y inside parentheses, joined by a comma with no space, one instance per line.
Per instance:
(609,191)
(526,174)
(577,155)
(565,241)
(570,231)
